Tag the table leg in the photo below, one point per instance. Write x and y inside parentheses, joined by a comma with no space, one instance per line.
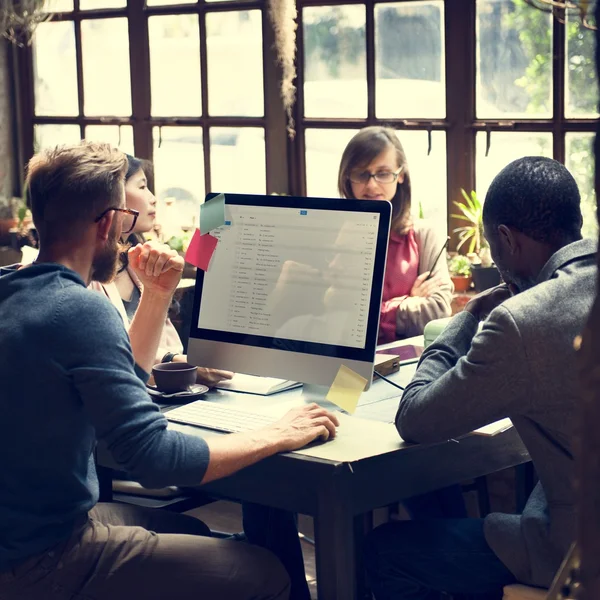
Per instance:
(525,480)
(338,535)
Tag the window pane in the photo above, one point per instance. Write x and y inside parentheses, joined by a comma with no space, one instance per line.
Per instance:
(235,68)
(175,40)
(96,4)
(179,177)
(514,60)
(119,136)
(335,63)
(55,69)
(47,136)
(168,2)
(428,180)
(107,87)
(58,5)
(504,148)
(410,60)
(582,86)
(237,160)
(580,161)
(324,148)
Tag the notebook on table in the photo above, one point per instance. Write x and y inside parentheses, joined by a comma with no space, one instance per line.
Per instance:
(250,384)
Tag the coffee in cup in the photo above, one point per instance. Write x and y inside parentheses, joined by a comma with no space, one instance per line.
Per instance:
(174,377)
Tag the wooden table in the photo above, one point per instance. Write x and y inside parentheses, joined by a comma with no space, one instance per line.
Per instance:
(338,490)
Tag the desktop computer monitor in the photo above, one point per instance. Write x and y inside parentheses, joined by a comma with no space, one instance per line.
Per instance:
(293,289)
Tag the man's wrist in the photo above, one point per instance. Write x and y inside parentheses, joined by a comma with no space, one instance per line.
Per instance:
(274,439)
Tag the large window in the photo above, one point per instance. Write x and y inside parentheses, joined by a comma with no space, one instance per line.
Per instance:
(193,85)
(180,83)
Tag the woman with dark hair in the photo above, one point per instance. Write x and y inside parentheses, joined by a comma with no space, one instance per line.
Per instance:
(416,288)
(270,528)
(126,290)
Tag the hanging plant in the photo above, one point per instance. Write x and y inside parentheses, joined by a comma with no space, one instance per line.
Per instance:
(19,18)
(283,17)
(559,8)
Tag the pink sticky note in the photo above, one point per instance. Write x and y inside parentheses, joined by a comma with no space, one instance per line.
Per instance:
(201,249)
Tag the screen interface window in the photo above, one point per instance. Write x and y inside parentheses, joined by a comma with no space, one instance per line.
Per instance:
(290,273)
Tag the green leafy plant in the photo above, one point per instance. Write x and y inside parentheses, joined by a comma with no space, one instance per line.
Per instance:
(180,242)
(175,242)
(22,212)
(471,211)
(459,266)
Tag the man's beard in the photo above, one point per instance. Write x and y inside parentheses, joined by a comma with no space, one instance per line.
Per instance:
(105,265)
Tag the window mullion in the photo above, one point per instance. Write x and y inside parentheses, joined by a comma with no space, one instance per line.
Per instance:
(139,57)
(558,87)
(79,63)
(24,109)
(204,96)
(460,44)
(370,56)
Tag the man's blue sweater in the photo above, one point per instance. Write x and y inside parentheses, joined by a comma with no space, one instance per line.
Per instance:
(67,379)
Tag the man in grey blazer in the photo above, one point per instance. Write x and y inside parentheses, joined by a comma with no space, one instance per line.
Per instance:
(521,364)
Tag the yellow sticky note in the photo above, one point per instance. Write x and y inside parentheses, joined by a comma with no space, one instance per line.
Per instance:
(346,389)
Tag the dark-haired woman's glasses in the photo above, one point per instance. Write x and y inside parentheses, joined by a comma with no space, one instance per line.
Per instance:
(129,219)
(380,177)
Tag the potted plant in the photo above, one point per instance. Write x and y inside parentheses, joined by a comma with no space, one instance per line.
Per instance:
(460,272)
(23,232)
(483,271)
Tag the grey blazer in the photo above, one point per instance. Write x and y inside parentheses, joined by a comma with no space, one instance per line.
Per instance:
(520,365)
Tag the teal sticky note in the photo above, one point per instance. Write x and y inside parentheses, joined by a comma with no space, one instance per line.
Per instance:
(212,214)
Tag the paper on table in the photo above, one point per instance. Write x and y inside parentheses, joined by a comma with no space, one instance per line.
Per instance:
(212,214)
(356,439)
(494,428)
(346,389)
(255,385)
(200,250)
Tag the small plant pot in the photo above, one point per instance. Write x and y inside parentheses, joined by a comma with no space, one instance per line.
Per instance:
(461,283)
(5,226)
(485,277)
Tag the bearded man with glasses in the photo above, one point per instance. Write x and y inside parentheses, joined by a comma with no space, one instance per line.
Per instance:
(69,379)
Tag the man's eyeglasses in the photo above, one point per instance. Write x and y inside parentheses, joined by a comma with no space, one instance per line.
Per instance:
(380,177)
(129,220)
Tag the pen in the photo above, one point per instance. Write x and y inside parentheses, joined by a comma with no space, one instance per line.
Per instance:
(437,258)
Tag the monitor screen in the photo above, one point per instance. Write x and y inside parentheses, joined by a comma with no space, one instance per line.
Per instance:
(298,275)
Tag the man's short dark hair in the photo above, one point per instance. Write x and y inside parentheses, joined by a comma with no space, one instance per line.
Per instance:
(538,197)
(67,186)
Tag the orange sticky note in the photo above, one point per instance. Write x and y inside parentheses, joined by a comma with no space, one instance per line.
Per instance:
(346,389)
(201,250)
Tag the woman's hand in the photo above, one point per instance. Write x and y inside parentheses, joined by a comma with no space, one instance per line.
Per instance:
(157,266)
(209,377)
(423,288)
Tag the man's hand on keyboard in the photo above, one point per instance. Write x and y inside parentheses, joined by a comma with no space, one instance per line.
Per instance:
(303,425)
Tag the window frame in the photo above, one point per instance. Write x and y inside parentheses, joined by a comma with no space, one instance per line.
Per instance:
(141,119)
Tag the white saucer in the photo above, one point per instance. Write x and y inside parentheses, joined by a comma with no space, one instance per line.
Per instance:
(192,393)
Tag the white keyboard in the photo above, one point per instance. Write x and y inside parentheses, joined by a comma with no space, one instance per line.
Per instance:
(218,417)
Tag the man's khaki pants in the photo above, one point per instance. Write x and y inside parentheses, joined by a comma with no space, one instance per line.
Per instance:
(127,553)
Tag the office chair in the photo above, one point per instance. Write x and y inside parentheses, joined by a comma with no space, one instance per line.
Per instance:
(171,498)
